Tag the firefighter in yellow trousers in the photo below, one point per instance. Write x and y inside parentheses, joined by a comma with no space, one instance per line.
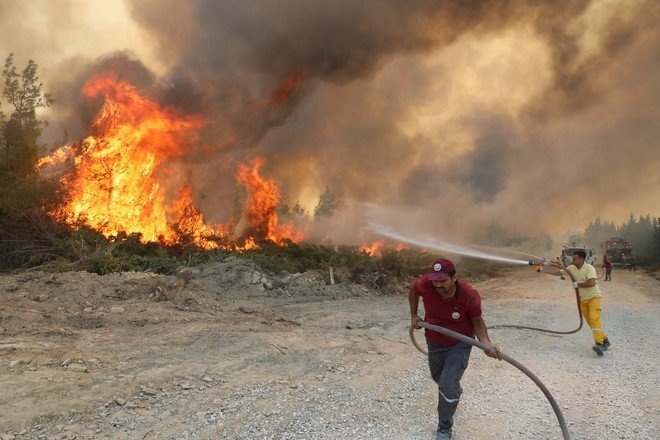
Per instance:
(585,277)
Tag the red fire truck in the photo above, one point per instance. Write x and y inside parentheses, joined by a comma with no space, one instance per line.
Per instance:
(618,250)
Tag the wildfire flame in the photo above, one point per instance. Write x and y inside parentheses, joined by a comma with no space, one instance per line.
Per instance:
(125,176)
(289,86)
(374,249)
(262,203)
(60,155)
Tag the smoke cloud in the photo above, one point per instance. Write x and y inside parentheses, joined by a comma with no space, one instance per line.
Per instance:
(536,115)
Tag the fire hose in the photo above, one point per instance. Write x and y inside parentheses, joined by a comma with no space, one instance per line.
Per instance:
(554,332)
(518,365)
(538,265)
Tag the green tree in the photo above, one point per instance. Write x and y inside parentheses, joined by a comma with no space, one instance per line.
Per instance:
(19,134)
(298,210)
(597,232)
(295,211)
(24,226)
(653,245)
(639,233)
(327,205)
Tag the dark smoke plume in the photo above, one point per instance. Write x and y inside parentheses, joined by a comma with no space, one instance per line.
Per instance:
(517,112)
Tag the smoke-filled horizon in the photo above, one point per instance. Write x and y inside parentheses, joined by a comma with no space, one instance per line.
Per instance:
(536,115)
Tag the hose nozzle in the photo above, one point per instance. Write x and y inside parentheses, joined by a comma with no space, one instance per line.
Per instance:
(538,263)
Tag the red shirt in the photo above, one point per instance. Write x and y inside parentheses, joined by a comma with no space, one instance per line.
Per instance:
(455,313)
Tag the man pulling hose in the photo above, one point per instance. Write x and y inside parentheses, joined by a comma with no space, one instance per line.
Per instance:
(453,304)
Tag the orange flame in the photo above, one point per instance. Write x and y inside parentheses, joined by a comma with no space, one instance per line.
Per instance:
(261,205)
(279,96)
(289,86)
(373,249)
(57,157)
(56,163)
(116,186)
(125,178)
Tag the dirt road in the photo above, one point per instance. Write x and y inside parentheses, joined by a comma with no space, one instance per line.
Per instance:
(225,352)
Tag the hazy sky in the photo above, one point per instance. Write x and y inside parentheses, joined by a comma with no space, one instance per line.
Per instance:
(538,115)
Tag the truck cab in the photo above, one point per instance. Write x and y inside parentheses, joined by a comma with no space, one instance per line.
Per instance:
(567,255)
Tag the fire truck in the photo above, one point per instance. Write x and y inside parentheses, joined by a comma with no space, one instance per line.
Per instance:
(568,251)
(618,250)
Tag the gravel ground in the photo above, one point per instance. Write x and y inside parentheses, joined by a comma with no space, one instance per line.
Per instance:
(366,381)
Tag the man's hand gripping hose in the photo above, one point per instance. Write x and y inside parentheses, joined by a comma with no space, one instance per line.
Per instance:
(500,355)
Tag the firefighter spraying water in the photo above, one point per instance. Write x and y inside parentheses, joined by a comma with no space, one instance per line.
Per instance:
(452,318)
(583,281)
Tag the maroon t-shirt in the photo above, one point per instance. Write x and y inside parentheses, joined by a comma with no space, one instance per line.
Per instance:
(455,313)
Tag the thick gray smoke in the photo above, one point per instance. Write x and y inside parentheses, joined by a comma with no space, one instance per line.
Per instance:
(537,115)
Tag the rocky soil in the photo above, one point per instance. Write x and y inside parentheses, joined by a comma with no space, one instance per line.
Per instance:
(227,352)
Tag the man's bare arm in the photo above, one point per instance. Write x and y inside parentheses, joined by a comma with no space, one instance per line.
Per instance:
(481,331)
(591,282)
(553,269)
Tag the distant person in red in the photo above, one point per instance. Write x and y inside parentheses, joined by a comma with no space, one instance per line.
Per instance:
(608,268)
(453,304)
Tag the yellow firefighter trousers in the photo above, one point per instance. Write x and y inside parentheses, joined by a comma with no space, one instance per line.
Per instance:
(590,309)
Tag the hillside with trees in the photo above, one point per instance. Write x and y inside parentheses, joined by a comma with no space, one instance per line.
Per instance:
(30,237)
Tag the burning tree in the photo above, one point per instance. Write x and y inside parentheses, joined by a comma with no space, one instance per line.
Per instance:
(127,177)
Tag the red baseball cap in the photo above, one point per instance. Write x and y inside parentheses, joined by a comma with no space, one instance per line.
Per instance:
(442,269)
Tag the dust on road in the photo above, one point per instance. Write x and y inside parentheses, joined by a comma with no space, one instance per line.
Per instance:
(229,352)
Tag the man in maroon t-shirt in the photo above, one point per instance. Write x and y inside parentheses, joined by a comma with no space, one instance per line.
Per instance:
(453,304)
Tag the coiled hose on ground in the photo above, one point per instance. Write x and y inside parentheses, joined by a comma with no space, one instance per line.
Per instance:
(544,330)
(555,332)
